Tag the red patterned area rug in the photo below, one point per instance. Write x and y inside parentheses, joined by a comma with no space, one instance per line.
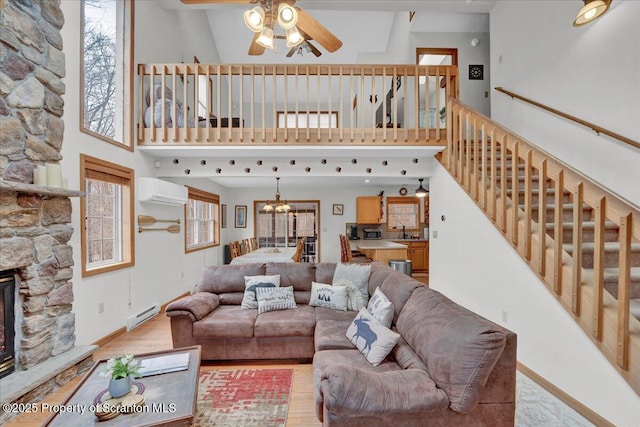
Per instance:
(243,397)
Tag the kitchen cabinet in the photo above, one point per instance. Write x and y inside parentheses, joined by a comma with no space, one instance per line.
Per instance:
(418,253)
(369,210)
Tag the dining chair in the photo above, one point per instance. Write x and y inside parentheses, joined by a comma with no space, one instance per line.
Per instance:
(254,243)
(297,256)
(244,247)
(347,255)
(234,249)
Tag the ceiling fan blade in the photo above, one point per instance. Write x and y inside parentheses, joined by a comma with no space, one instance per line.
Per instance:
(314,49)
(317,31)
(254,48)
(292,51)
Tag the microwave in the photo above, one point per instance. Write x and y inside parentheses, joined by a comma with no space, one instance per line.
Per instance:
(372,234)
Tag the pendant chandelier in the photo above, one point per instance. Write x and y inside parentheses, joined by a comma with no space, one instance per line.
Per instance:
(277,205)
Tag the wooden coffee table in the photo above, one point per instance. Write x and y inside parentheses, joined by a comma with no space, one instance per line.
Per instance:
(170,398)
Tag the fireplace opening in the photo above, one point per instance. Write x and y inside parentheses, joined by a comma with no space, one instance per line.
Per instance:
(7,322)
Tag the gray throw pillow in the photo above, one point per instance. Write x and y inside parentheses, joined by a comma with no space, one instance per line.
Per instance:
(354,275)
(373,340)
(323,295)
(272,299)
(251,283)
(381,308)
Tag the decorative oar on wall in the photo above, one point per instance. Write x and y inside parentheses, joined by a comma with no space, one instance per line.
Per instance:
(144,220)
(170,229)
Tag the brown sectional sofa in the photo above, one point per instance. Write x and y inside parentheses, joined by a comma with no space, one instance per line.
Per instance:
(450,366)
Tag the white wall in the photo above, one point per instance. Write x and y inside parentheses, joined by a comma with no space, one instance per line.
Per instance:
(162,270)
(472,263)
(592,72)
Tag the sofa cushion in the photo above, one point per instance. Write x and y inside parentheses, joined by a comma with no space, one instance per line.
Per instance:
(302,297)
(406,357)
(298,322)
(459,347)
(226,321)
(373,340)
(227,278)
(331,334)
(274,299)
(324,272)
(379,272)
(231,298)
(355,274)
(333,297)
(296,274)
(398,287)
(381,308)
(249,299)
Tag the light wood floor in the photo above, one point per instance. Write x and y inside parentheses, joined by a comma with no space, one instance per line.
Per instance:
(156,335)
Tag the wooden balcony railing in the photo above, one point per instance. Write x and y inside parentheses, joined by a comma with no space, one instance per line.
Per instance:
(251,104)
(582,240)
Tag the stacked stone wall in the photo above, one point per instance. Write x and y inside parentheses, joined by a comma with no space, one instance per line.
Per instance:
(34,229)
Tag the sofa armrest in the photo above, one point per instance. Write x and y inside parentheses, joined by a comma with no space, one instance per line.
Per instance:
(194,306)
(352,391)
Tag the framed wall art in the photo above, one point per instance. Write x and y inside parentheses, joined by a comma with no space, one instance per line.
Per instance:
(241,216)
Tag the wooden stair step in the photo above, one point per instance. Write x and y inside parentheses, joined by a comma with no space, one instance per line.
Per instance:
(567,212)
(535,195)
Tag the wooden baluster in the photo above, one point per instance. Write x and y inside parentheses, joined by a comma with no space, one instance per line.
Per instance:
(427,101)
(476,165)
(460,146)
(406,108)
(515,190)
(173,90)
(308,127)
(352,98)
(416,92)
(297,104)
(465,176)
(395,104)
(528,159)
(253,100)
(141,103)
(373,104)
(264,104)
(185,79)
(286,108)
(624,289)
(219,107)
(152,102)
(576,287)
(384,104)
(599,212)
(329,101)
(503,184)
(447,93)
(196,95)
(557,233)
(340,106)
(361,104)
(207,114)
(437,112)
(163,98)
(494,177)
(240,102)
(542,219)
(318,105)
(274,110)
(483,175)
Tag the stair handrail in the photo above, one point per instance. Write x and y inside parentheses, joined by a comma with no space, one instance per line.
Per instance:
(597,129)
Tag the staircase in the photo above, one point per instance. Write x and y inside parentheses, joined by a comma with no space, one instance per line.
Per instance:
(581,240)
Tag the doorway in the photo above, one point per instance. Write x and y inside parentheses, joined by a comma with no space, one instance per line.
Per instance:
(434,56)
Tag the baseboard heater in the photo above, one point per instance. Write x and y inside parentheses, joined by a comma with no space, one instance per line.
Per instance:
(146,314)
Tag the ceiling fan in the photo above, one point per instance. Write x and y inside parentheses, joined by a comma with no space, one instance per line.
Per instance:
(299,26)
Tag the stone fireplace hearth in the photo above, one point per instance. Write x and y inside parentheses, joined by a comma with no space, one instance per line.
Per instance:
(35,221)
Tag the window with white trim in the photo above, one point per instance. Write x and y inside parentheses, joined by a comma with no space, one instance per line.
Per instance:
(202,213)
(106,216)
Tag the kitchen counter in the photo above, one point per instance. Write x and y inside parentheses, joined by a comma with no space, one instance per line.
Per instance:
(380,250)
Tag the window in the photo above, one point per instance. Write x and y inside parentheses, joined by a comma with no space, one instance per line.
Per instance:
(203,220)
(106,76)
(305,120)
(106,216)
(403,211)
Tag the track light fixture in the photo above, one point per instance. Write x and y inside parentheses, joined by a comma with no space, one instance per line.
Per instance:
(592,10)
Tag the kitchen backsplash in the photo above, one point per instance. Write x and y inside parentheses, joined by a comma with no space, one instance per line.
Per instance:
(390,235)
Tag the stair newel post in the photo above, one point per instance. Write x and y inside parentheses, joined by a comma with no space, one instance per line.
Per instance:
(542,218)
(503,183)
(624,288)
(578,199)
(514,191)
(598,268)
(557,234)
(528,159)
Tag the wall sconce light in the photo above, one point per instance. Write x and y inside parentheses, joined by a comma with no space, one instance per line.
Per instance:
(592,10)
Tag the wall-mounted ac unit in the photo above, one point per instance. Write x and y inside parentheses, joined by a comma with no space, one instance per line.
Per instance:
(158,191)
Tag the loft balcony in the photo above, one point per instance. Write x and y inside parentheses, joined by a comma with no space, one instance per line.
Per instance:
(208,105)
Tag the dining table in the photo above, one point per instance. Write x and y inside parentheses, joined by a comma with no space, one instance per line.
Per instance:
(280,254)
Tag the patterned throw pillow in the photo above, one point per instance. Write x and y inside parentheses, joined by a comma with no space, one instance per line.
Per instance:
(272,299)
(251,283)
(381,308)
(373,340)
(323,295)
(354,276)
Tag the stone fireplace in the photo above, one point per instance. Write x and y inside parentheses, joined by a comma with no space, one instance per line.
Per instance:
(35,221)
(7,323)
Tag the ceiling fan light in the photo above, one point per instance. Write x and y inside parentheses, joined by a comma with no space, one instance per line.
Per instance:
(294,38)
(254,19)
(266,38)
(287,16)
(591,11)
(421,191)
